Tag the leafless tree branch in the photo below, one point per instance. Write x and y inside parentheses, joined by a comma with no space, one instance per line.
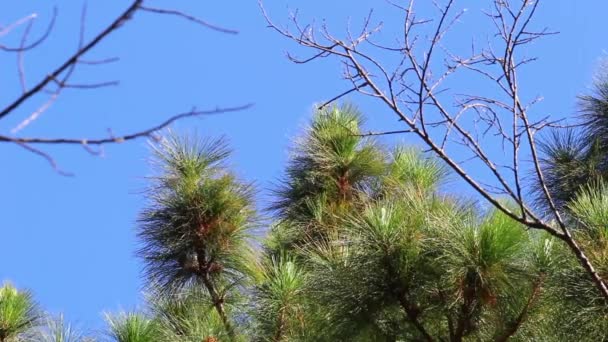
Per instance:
(188,17)
(415,92)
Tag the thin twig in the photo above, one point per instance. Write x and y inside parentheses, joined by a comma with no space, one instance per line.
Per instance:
(188,17)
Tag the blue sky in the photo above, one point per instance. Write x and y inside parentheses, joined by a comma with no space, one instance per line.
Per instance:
(71,239)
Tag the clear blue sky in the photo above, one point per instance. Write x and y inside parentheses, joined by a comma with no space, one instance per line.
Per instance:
(71,240)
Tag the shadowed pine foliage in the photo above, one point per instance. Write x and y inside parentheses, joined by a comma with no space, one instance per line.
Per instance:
(574,157)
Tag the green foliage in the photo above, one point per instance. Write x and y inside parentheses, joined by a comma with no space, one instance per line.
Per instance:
(187,316)
(484,258)
(361,279)
(196,226)
(132,327)
(329,169)
(574,158)
(590,209)
(575,166)
(395,260)
(410,168)
(364,246)
(18,313)
(577,298)
(280,304)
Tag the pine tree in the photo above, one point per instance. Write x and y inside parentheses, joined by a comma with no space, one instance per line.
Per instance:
(195,231)
(366,248)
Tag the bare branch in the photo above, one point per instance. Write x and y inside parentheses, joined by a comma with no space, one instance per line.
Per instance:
(337,97)
(37,112)
(187,17)
(38,41)
(126,15)
(20,67)
(47,157)
(100,61)
(120,139)
(91,85)
(370,134)
(6,30)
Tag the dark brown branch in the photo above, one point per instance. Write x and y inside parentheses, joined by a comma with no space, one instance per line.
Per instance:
(281,323)
(218,304)
(216,298)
